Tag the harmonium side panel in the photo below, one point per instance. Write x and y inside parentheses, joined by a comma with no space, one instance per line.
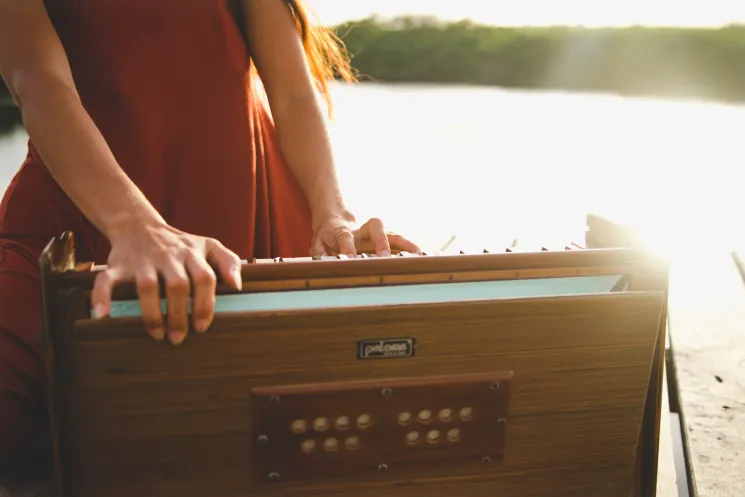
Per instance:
(202,418)
(651,274)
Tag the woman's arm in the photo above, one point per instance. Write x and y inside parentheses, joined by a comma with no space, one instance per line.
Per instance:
(279,55)
(277,51)
(35,68)
(37,73)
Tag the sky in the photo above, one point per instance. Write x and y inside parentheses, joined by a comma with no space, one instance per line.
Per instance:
(544,12)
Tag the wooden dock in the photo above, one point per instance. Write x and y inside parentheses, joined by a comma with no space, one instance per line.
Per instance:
(707,361)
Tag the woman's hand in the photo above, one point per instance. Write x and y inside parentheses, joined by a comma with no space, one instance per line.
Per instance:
(337,236)
(145,251)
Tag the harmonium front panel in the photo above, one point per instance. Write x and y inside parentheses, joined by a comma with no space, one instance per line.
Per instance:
(469,374)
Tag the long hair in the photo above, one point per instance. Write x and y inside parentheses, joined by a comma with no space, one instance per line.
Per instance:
(327,56)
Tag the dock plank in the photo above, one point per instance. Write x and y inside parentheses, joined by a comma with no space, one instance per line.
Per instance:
(707,333)
(667,479)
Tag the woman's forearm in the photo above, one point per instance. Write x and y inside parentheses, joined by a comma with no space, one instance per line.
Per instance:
(279,55)
(79,159)
(305,144)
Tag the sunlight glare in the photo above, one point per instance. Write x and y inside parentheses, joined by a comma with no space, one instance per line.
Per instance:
(534,172)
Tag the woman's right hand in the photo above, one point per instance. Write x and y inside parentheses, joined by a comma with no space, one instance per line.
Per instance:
(143,251)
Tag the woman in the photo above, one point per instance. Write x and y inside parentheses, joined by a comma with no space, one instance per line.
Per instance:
(153,140)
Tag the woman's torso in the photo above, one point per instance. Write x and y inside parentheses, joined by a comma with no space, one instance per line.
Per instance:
(168,84)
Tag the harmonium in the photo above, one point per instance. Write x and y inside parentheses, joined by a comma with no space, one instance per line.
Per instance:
(504,373)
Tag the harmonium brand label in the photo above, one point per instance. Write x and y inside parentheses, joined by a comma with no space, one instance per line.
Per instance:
(386,348)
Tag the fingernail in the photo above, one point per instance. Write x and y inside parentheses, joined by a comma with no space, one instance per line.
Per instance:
(158,334)
(385,253)
(201,325)
(99,311)
(177,337)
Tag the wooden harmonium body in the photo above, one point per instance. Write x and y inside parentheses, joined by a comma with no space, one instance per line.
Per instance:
(509,374)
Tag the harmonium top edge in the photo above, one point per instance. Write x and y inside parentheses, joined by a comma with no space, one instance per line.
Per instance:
(265,274)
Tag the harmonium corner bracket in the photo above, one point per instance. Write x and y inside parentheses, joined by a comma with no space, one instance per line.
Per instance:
(380,429)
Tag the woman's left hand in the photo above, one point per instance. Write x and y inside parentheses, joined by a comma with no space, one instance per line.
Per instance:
(336,236)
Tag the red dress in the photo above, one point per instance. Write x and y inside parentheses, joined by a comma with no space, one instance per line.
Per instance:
(168,84)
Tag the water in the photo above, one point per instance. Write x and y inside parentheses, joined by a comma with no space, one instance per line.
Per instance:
(13,148)
(488,165)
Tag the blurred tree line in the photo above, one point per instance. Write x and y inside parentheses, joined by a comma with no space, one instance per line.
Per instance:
(675,62)
(666,62)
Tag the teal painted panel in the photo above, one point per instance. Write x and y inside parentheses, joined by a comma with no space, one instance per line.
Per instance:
(397,295)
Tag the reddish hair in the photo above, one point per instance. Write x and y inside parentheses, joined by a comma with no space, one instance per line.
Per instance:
(326,53)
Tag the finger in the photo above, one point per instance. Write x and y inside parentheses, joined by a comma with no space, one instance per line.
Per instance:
(177,295)
(227,263)
(204,283)
(101,293)
(148,293)
(345,239)
(398,242)
(375,231)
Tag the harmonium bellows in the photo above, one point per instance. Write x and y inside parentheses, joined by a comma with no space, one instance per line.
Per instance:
(498,373)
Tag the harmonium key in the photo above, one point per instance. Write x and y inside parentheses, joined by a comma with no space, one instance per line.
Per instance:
(338,257)
(524,248)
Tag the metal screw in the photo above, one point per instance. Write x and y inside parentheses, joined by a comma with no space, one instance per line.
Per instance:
(382,468)
(274,476)
(485,460)
(274,399)
(263,439)
(502,421)
(386,392)
(494,386)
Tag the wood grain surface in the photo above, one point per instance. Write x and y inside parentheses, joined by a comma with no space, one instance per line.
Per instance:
(161,420)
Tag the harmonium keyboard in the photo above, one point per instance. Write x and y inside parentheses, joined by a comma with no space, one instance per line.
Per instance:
(501,373)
